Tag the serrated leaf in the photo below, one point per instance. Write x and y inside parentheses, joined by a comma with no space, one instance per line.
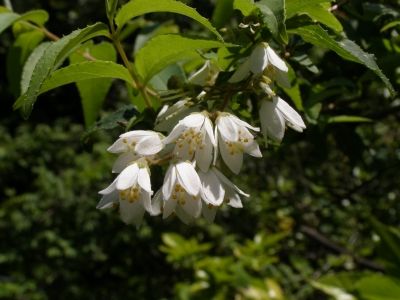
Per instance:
(30,65)
(7,18)
(274,13)
(246,7)
(92,98)
(86,70)
(348,119)
(51,58)
(17,55)
(140,7)
(317,10)
(158,53)
(345,48)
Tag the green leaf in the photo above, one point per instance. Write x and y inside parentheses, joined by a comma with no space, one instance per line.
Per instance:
(140,7)
(17,55)
(317,10)
(92,98)
(274,17)
(111,8)
(111,121)
(222,12)
(345,48)
(51,58)
(390,25)
(158,53)
(378,287)
(7,18)
(348,119)
(31,64)
(246,7)
(389,241)
(86,70)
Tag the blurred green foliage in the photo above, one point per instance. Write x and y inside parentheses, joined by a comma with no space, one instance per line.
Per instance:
(309,231)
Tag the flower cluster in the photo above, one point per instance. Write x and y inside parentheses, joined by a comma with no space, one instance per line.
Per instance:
(197,147)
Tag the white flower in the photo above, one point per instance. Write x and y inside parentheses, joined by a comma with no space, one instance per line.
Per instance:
(139,142)
(275,114)
(234,138)
(181,191)
(194,138)
(170,115)
(132,189)
(215,188)
(206,75)
(262,57)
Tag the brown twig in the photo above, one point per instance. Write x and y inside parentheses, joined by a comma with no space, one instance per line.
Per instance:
(313,233)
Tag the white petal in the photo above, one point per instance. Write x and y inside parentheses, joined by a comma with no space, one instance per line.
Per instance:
(108,200)
(156,204)
(169,207)
(272,121)
(212,191)
(163,110)
(137,134)
(216,145)
(193,120)
(192,206)
(258,59)
(128,177)
(145,198)
(233,160)
(131,212)
(144,180)
(241,72)
(112,187)
(209,130)
(290,114)
(183,216)
(253,149)
(234,200)
(149,145)
(122,161)
(188,178)
(229,186)
(175,133)
(242,123)
(119,146)
(209,212)
(204,155)
(275,60)
(227,128)
(169,182)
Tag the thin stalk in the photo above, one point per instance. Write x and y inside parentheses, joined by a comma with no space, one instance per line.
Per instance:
(136,82)
(8,4)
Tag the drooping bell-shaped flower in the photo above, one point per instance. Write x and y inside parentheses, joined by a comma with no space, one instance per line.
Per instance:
(138,142)
(206,75)
(262,57)
(194,139)
(275,114)
(170,115)
(132,190)
(181,190)
(233,139)
(215,188)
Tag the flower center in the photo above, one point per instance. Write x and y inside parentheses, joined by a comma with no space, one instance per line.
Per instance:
(132,194)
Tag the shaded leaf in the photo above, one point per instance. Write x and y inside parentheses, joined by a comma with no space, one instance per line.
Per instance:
(140,7)
(345,48)
(158,53)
